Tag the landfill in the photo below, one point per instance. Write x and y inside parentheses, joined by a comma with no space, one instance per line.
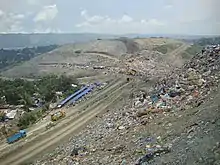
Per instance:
(119,137)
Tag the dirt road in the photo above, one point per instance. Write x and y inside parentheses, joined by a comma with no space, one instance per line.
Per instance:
(101,54)
(39,128)
(173,57)
(63,130)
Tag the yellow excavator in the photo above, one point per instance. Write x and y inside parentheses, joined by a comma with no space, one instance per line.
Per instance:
(58,115)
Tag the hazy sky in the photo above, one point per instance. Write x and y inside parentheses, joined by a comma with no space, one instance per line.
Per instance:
(111,16)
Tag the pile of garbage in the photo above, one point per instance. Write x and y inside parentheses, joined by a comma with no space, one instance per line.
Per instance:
(118,136)
(146,63)
(186,87)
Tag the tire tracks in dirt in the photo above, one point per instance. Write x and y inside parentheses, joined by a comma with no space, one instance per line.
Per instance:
(32,149)
(114,84)
(174,58)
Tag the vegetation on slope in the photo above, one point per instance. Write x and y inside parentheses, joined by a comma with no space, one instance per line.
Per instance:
(26,93)
(166,48)
(131,46)
(191,51)
(13,57)
(29,118)
(22,92)
(208,41)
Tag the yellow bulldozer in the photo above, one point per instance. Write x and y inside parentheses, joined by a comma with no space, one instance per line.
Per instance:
(58,115)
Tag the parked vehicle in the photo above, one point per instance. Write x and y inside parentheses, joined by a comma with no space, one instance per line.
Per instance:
(58,115)
(17,136)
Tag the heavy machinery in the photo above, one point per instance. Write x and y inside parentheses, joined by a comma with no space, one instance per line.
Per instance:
(131,72)
(58,115)
(17,136)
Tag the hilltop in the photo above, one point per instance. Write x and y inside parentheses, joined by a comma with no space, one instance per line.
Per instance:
(40,39)
(107,56)
(20,40)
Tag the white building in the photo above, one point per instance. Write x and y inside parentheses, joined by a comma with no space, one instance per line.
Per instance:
(11,114)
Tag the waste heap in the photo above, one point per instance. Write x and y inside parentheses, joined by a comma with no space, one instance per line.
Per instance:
(189,86)
(185,88)
(147,64)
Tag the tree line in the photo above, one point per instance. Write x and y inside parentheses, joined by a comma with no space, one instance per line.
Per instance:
(11,57)
(23,92)
(208,41)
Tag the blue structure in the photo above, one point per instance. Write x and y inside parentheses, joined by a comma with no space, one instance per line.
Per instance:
(71,96)
(16,136)
(154,98)
(89,89)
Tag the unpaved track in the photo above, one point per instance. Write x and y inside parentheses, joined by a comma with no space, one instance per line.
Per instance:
(97,98)
(174,58)
(32,149)
(105,56)
(179,50)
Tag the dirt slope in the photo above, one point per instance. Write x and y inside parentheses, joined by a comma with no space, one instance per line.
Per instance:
(72,123)
(80,58)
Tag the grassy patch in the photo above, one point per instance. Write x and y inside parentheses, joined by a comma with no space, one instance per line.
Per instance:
(191,51)
(166,48)
(30,118)
(194,49)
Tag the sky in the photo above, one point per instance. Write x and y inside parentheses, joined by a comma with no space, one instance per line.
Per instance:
(110,16)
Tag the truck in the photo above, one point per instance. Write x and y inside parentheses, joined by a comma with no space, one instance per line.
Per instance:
(58,115)
(17,136)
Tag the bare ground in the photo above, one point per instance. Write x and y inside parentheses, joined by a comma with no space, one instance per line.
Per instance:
(78,59)
(33,148)
(79,116)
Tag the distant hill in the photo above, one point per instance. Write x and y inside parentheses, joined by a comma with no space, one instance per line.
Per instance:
(208,41)
(44,39)
(12,57)
(32,40)
(79,59)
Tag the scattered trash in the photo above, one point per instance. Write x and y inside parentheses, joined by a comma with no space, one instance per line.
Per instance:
(81,151)
(186,86)
(182,89)
(152,152)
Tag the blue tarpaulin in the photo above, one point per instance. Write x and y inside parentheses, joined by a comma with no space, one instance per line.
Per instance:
(89,89)
(73,95)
